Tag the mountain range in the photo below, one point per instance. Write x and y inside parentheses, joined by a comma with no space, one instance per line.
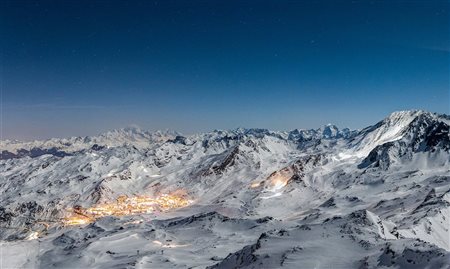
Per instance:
(252,198)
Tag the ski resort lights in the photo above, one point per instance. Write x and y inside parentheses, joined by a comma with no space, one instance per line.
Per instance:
(124,206)
(77,218)
(32,236)
(278,182)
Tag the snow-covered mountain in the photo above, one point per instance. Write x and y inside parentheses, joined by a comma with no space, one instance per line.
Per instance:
(132,136)
(251,198)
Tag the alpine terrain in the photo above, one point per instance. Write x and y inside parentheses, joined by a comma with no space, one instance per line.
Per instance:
(245,198)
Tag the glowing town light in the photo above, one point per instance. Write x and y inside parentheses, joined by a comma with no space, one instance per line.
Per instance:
(77,219)
(33,235)
(124,206)
(278,182)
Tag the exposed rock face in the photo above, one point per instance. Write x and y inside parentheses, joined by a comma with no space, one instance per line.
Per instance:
(426,133)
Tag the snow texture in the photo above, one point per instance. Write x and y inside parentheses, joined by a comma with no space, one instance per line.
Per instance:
(324,198)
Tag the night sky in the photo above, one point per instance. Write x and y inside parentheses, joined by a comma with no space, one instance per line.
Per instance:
(72,68)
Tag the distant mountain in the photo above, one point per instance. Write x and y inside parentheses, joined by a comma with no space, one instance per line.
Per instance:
(67,146)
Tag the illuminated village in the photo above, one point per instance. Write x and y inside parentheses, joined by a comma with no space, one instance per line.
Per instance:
(125,205)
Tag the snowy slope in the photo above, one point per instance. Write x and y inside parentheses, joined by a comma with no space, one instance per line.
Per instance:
(324,198)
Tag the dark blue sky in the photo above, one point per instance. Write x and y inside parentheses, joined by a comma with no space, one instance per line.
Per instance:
(80,68)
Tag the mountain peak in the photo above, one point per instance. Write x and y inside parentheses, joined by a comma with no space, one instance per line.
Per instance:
(330,131)
(402,115)
(402,119)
